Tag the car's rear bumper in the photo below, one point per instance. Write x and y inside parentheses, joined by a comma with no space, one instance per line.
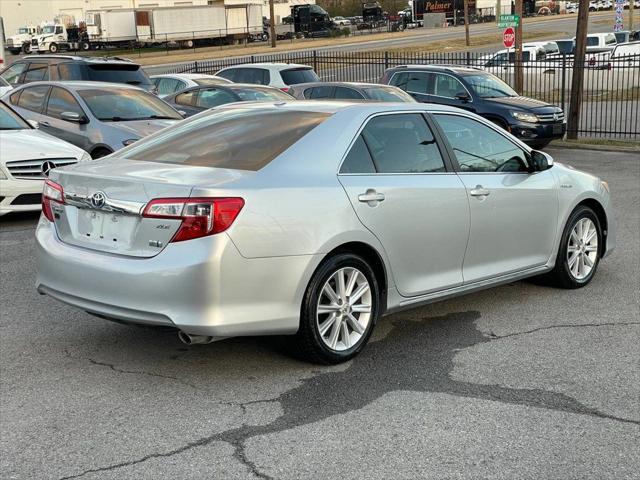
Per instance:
(20,196)
(202,286)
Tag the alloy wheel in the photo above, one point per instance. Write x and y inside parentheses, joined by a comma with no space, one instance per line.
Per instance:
(344,309)
(582,250)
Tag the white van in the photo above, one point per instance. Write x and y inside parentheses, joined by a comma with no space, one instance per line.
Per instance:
(625,55)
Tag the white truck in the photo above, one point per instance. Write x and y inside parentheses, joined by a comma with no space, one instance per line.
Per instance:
(188,24)
(21,41)
(58,36)
(110,27)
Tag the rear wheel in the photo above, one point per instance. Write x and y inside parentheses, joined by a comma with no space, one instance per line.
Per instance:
(26,48)
(53,48)
(339,310)
(579,252)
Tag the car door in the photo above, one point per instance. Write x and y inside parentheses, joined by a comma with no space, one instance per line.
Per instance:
(513,211)
(402,187)
(60,101)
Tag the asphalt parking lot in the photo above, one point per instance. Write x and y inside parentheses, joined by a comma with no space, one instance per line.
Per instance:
(522,381)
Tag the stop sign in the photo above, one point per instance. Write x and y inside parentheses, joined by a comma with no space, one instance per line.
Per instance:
(509,37)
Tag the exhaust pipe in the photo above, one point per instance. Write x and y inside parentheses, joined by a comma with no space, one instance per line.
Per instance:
(195,339)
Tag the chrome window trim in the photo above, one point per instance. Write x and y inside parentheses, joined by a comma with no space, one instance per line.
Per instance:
(422,113)
(431,94)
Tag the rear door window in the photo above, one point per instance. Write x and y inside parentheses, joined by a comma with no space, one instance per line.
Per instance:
(32,98)
(235,138)
(298,75)
(414,82)
(324,91)
(36,73)
(187,98)
(402,143)
(358,160)
(70,71)
(256,76)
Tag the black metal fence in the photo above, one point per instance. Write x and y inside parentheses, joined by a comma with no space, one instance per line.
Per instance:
(610,100)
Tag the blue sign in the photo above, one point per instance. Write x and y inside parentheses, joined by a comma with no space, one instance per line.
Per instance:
(619,23)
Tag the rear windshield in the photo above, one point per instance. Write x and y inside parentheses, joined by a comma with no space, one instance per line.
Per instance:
(239,139)
(299,75)
(261,94)
(382,94)
(118,73)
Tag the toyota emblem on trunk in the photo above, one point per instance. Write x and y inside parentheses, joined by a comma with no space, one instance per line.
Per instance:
(98,199)
(46,167)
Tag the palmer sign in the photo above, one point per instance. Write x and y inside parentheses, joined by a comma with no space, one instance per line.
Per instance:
(447,6)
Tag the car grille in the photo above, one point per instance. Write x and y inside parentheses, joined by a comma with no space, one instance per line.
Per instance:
(27,199)
(551,117)
(32,169)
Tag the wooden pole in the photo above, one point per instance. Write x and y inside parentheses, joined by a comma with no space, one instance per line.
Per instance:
(466,22)
(272,24)
(519,72)
(631,6)
(575,101)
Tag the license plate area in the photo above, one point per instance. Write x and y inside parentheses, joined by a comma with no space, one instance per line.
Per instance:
(111,230)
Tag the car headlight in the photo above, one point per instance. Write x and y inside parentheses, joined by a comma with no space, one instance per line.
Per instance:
(85,157)
(3,176)
(525,117)
(126,143)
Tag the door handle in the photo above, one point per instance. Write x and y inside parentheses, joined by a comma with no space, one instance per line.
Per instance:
(371,197)
(479,191)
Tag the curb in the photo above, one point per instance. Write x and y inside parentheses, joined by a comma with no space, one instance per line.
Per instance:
(590,146)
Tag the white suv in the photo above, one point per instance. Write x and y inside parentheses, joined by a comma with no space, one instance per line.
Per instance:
(279,75)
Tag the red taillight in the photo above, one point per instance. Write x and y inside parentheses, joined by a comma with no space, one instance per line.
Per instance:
(200,216)
(285,89)
(51,192)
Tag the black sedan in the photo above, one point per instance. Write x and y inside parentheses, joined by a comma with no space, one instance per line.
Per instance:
(349,91)
(197,99)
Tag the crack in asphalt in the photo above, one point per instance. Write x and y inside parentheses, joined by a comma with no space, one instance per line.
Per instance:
(132,372)
(568,325)
(414,356)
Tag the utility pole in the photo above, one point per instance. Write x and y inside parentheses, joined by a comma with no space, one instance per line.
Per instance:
(630,26)
(272,24)
(575,102)
(519,71)
(466,22)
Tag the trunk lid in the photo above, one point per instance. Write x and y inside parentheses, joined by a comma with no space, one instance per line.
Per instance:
(104,201)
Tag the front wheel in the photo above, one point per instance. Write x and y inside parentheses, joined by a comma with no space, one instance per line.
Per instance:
(53,48)
(579,252)
(26,48)
(339,310)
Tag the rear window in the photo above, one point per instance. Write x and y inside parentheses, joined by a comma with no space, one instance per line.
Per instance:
(299,75)
(261,94)
(239,139)
(118,73)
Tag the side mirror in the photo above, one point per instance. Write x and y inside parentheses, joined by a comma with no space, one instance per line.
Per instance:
(73,117)
(34,124)
(540,161)
(463,96)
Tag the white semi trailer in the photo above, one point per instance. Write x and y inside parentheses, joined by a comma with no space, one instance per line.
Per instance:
(111,26)
(188,24)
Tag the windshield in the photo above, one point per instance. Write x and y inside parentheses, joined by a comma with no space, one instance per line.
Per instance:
(120,105)
(236,138)
(382,94)
(565,46)
(9,120)
(23,30)
(261,94)
(299,75)
(488,86)
(49,29)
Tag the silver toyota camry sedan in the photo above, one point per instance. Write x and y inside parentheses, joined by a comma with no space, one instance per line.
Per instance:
(313,219)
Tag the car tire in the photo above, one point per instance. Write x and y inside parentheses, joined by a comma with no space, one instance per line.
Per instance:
(53,48)
(100,152)
(577,250)
(342,329)
(26,48)
(85,46)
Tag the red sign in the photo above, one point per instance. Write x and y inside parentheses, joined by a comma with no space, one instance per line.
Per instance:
(509,37)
